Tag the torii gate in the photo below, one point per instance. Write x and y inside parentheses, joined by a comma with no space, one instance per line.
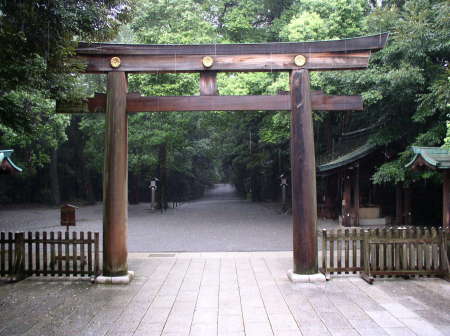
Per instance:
(116,60)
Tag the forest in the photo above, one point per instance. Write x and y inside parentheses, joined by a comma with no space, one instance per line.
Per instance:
(406,94)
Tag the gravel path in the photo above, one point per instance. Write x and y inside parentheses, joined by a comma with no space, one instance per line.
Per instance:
(221,221)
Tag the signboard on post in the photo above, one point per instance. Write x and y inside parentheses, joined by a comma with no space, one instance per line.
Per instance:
(68,215)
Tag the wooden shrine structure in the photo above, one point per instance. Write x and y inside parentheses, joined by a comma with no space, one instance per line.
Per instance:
(117,60)
(7,166)
(438,159)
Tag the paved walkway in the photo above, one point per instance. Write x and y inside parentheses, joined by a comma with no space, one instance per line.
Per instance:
(219,222)
(224,294)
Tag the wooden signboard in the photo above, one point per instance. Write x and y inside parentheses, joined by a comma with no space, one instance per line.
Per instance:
(68,215)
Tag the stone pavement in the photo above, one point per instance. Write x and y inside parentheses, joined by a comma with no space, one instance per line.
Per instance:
(223,294)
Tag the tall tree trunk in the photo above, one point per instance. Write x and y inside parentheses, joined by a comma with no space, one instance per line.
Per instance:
(87,185)
(162,195)
(54,179)
(133,194)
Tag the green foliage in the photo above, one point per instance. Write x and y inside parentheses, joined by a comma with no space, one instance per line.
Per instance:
(447,138)
(171,22)
(37,37)
(320,20)
(405,90)
(305,27)
(33,147)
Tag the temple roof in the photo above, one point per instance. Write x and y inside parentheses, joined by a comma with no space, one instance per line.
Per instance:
(6,164)
(348,158)
(432,157)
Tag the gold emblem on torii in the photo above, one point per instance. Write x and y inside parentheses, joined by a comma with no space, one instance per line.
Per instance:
(115,62)
(299,60)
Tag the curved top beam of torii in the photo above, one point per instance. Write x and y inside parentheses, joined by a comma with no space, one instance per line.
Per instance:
(343,54)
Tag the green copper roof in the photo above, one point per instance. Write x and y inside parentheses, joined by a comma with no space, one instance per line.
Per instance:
(434,157)
(6,155)
(348,158)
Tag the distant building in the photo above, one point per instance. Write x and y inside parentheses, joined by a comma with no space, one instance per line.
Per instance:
(7,166)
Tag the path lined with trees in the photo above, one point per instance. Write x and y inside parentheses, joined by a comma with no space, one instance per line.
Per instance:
(405,94)
(220,221)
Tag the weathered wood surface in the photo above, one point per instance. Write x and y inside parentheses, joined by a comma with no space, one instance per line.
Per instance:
(225,63)
(341,251)
(321,55)
(115,178)
(373,42)
(137,103)
(42,254)
(385,252)
(303,176)
(208,83)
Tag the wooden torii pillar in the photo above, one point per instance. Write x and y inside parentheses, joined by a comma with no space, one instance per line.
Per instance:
(116,60)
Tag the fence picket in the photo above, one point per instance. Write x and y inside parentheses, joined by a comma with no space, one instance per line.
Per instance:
(427,250)
(52,254)
(74,252)
(10,249)
(89,237)
(29,242)
(67,253)
(361,248)
(44,252)
(404,251)
(420,251)
(82,260)
(354,250)
(37,258)
(397,249)
(60,254)
(96,252)
(332,235)
(347,250)
(339,250)
(382,252)
(2,254)
(434,252)
(413,260)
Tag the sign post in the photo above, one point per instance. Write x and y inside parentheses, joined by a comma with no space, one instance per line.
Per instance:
(68,216)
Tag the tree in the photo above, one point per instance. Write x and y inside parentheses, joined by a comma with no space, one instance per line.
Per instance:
(37,39)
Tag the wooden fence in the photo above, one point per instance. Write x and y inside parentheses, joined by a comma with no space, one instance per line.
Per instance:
(385,252)
(48,254)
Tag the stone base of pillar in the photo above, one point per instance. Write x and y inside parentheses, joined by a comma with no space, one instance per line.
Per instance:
(115,280)
(305,278)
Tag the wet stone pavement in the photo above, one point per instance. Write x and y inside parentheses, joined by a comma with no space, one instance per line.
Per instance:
(224,294)
(212,293)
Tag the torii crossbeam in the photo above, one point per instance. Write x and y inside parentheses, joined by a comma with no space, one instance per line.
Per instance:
(116,60)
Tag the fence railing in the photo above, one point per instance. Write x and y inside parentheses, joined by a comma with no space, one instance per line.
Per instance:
(385,252)
(48,254)
(341,251)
